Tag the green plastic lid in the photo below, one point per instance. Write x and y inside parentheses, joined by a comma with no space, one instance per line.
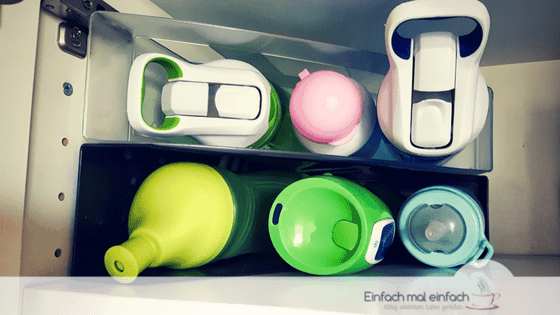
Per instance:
(327,225)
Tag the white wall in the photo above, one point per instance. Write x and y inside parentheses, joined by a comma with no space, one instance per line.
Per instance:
(525,183)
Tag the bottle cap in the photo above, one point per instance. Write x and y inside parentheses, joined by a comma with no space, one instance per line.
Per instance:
(326,107)
(443,226)
(327,225)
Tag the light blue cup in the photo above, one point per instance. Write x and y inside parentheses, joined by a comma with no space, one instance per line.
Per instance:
(443,226)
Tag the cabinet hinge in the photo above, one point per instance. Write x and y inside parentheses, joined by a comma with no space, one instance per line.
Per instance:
(73,32)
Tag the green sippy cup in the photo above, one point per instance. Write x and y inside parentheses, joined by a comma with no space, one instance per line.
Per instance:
(328,225)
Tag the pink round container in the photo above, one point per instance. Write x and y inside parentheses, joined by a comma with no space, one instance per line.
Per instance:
(326,107)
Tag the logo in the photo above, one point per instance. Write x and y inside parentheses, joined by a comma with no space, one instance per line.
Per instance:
(485,277)
(483,300)
(474,287)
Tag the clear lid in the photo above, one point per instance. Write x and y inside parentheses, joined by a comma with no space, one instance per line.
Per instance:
(437,228)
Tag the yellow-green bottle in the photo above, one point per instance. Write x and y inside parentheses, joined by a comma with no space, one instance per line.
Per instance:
(185,215)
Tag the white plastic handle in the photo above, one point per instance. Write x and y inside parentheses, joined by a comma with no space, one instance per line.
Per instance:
(228,72)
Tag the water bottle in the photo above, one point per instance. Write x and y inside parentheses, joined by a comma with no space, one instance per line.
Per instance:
(327,225)
(185,215)
(331,113)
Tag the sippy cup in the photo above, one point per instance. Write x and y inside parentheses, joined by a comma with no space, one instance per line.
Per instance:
(443,226)
(327,225)
(223,102)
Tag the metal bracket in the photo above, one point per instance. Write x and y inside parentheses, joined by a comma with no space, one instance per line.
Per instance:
(76,11)
(72,34)
(72,39)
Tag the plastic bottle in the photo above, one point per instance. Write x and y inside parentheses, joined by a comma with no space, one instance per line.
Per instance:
(328,225)
(332,114)
(186,215)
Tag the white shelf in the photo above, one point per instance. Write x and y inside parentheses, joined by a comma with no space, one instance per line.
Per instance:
(278,295)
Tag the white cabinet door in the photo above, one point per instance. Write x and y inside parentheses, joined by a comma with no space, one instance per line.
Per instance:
(18,46)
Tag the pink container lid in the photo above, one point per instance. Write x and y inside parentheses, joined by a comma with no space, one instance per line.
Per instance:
(326,107)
